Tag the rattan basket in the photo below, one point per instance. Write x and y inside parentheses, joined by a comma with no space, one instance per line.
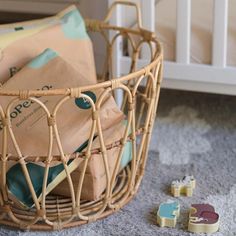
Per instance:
(141,88)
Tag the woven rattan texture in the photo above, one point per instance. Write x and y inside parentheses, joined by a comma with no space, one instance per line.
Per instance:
(141,92)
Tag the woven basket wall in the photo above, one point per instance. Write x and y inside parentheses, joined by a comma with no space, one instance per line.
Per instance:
(141,92)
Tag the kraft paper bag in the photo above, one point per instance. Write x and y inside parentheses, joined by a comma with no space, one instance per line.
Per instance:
(74,117)
(95,181)
(64,33)
(30,127)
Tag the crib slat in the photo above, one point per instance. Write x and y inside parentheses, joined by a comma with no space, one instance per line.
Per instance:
(220,33)
(116,19)
(183,30)
(148,14)
(148,20)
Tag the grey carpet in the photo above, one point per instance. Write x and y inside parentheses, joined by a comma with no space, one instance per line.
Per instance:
(194,134)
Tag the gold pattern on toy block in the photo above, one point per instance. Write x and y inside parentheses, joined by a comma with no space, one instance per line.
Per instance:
(168,213)
(183,187)
(203,219)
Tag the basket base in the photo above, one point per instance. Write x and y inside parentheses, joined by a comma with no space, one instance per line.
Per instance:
(59,209)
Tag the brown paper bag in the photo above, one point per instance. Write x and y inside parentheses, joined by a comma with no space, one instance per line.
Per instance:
(29,121)
(95,180)
(30,127)
(64,33)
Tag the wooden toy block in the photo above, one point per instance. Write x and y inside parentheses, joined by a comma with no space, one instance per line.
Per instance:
(168,213)
(203,219)
(184,186)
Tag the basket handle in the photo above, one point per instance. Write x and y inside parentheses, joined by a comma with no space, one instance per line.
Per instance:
(126,3)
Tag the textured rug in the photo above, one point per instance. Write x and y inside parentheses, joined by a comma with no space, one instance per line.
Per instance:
(194,134)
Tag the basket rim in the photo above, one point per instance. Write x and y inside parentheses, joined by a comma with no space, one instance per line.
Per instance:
(67,91)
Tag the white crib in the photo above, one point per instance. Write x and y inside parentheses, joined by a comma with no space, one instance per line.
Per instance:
(217,77)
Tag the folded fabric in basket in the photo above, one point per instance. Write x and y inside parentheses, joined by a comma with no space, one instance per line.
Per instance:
(64,33)
(29,120)
(95,180)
